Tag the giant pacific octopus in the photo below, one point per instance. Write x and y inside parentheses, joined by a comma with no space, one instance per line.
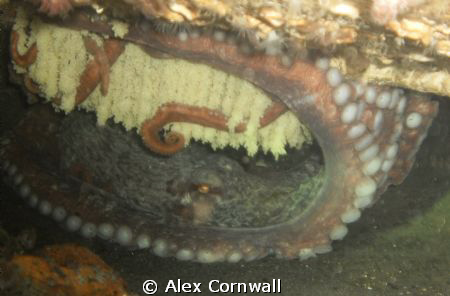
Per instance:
(146,191)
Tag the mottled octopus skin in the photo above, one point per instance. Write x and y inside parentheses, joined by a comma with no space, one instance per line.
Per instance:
(313,92)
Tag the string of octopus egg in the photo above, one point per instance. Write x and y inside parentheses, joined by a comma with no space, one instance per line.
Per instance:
(97,72)
(373,126)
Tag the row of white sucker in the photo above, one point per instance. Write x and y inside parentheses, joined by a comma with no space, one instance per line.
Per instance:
(372,159)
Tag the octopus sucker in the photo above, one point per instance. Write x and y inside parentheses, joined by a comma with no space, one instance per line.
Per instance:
(202,203)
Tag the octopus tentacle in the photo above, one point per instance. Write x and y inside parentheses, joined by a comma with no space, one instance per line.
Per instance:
(30,85)
(369,138)
(102,62)
(97,70)
(174,112)
(26,59)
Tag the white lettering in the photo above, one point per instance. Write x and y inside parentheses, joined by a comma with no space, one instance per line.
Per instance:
(171,285)
(254,287)
(197,288)
(215,286)
(182,287)
(211,288)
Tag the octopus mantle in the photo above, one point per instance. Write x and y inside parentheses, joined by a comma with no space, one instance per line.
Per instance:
(210,206)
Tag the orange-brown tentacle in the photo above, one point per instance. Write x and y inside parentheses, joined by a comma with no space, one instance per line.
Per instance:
(97,70)
(30,85)
(272,113)
(26,59)
(174,112)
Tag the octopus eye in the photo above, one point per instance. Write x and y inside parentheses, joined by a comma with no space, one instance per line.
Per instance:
(203,188)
